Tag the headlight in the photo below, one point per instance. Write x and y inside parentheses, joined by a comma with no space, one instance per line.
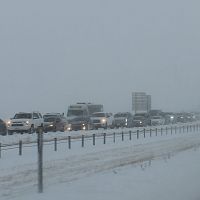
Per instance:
(172,117)
(51,125)
(140,122)
(69,127)
(84,128)
(27,123)
(9,123)
(103,121)
(126,120)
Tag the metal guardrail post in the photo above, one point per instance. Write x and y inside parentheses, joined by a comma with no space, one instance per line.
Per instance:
(40,160)
(82,141)
(20,147)
(129,135)
(55,144)
(93,136)
(104,138)
(69,142)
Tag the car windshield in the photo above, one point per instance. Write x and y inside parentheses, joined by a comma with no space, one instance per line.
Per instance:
(75,113)
(121,115)
(138,118)
(98,115)
(23,116)
(49,119)
(50,115)
(156,117)
(79,119)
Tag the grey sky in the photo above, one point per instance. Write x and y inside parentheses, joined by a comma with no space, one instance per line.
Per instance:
(54,53)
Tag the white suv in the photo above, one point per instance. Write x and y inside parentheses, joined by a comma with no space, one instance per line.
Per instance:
(102,120)
(25,122)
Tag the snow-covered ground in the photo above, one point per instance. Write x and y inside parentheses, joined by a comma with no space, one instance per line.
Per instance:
(176,178)
(157,167)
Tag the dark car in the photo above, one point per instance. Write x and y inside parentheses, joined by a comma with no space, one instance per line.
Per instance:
(55,123)
(144,116)
(181,118)
(140,121)
(3,128)
(123,119)
(170,118)
(80,123)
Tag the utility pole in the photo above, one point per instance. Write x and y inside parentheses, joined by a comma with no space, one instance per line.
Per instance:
(40,159)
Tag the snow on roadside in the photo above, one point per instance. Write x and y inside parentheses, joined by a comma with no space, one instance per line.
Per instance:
(18,177)
(174,178)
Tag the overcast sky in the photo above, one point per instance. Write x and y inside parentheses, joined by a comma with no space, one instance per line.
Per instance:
(56,53)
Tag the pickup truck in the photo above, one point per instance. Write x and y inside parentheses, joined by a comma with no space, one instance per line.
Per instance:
(102,120)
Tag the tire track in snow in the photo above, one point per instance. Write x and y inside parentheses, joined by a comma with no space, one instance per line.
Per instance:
(24,180)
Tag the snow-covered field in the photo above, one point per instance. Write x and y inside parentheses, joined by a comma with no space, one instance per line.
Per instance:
(157,167)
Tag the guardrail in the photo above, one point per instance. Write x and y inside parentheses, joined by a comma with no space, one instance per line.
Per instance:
(130,134)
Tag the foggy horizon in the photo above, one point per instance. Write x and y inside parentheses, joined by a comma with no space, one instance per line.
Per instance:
(57,53)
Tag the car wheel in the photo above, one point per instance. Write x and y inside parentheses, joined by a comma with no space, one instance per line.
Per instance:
(31,130)
(91,127)
(62,129)
(45,131)
(112,126)
(4,133)
(88,127)
(10,133)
